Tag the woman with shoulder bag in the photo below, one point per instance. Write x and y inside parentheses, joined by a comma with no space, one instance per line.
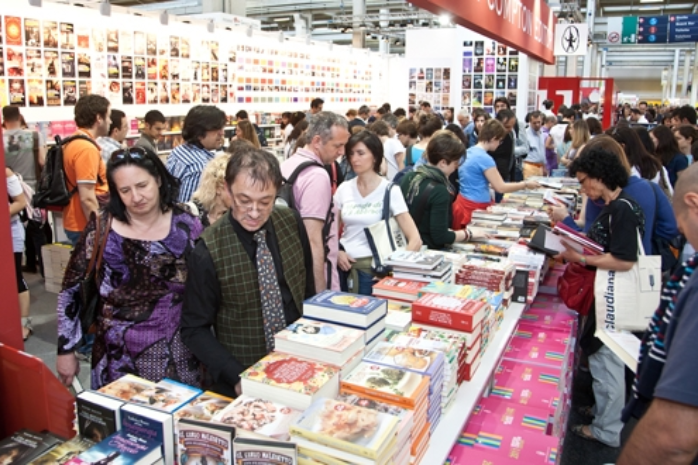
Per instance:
(359,202)
(602,177)
(146,236)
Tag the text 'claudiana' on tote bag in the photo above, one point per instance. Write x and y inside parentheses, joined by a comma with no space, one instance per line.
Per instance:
(626,300)
(385,237)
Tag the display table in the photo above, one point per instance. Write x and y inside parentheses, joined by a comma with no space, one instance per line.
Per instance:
(449,429)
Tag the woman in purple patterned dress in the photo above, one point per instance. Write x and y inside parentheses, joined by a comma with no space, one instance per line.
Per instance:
(142,278)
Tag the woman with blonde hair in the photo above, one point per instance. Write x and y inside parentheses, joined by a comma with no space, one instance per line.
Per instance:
(245,130)
(211,198)
(580,136)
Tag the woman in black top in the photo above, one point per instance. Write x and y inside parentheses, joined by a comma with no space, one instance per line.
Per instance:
(602,177)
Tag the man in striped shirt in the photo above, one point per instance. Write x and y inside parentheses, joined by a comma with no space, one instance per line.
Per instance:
(203,134)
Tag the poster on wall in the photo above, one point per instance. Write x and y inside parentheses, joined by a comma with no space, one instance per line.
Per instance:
(431,85)
(125,42)
(34,63)
(175,93)
(67,36)
(32,33)
(2,63)
(51,63)
(174,46)
(112,41)
(186,92)
(184,47)
(151,48)
(139,67)
(70,92)
(15,62)
(83,38)
(68,64)
(114,94)
(36,92)
(126,67)
(50,34)
(152,92)
(84,88)
(17,92)
(139,43)
(98,40)
(84,65)
(13,30)
(113,67)
(140,93)
(127,92)
(3,93)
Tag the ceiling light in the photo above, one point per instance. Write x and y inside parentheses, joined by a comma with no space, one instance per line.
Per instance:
(280,20)
(673,7)
(104,8)
(444,20)
(651,1)
(164,18)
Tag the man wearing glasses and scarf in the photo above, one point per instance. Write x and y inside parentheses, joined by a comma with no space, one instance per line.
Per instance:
(248,274)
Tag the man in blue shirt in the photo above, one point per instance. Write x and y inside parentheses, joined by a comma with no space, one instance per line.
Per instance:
(203,134)
(668,368)
(534,163)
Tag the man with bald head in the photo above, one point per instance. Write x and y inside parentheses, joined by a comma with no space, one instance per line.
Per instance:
(665,394)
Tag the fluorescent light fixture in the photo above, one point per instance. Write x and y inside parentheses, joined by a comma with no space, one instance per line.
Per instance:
(281,20)
(673,7)
(444,20)
(651,1)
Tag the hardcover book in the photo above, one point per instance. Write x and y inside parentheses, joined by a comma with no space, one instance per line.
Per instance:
(398,289)
(167,395)
(200,442)
(254,417)
(347,427)
(399,316)
(126,387)
(122,448)
(340,307)
(98,416)
(423,361)
(414,260)
(320,341)
(251,451)
(203,407)
(449,312)
(24,446)
(290,380)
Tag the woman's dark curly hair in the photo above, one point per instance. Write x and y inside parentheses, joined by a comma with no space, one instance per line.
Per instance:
(147,160)
(602,165)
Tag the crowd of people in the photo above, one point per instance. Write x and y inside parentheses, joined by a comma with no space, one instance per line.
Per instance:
(201,267)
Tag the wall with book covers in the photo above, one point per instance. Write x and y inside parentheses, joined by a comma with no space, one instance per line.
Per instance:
(51,55)
(459,68)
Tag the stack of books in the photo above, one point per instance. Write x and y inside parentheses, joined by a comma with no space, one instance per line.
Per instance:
(63,452)
(398,290)
(450,352)
(258,418)
(449,312)
(469,346)
(346,432)
(397,387)
(290,380)
(404,416)
(418,266)
(496,225)
(399,317)
(132,448)
(350,310)
(427,362)
(492,273)
(25,446)
(166,395)
(322,342)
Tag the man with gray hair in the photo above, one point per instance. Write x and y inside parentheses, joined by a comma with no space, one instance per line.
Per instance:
(463,118)
(326,136)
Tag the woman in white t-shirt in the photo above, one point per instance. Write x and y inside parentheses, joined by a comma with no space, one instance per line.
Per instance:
(18,202)
(360,204)
(393,151)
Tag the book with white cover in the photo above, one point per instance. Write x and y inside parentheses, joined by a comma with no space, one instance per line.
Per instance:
(624,344)
(416,260)
(317,340)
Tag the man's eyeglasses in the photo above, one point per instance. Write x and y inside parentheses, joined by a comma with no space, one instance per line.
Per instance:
(133,153)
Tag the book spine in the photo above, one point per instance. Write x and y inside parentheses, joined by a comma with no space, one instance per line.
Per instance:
(329,441)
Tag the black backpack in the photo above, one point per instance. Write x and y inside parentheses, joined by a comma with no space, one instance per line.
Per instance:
(52,188)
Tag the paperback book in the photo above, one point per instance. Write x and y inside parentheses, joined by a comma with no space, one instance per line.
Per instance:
(98,416)
(394,385)
(324,342)
(64,451)
(152,424)
(25,446)
(349,309)
(251,451)
(122,448)
(254,417)
(414,260)
(448,311)
(203,407)
(200,442)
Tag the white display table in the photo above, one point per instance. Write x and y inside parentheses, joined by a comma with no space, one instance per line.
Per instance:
(447,432)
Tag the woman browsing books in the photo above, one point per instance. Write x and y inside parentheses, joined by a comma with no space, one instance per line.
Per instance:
(602,177)
(429,193)
(360,204)
(141,278)
(478,172)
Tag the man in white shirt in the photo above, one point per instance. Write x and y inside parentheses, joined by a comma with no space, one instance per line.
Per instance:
(534,163)
(557,132)
(117,134)
(636,116)
(548,108)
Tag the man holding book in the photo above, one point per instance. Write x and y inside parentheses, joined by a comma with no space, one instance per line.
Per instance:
(248,275)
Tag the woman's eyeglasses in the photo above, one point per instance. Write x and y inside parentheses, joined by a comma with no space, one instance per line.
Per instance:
(133,153)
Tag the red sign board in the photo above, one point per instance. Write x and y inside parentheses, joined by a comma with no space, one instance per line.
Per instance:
(526,25)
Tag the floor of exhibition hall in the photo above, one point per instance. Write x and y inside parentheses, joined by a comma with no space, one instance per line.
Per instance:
(576,451)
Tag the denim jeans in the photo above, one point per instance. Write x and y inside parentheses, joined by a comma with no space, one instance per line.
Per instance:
(73,236)
(365,283)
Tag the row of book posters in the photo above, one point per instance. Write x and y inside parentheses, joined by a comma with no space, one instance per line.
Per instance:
(431,85)
(490,71)
(51,63)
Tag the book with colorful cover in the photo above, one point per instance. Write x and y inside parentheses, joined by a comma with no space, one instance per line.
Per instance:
(347,427)
(340,307)
(122,448)
(526,384)
(393,385)
(320,341)
(403,415)
(65,451)
(422,361)
(399,289)
(203,407)
(493,413)
(25,445)
(494,299)
(528,351)
(152,424)
(204,442)
(126,387)
(167,395)
(449,312)
(254,417)
(290,380)
(98,415)
(252,451)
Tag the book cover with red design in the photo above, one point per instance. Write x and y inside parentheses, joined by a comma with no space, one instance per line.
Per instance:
(448,311)
(400,289)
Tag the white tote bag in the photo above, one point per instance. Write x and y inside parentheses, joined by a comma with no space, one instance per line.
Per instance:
(385,236)
(626,300)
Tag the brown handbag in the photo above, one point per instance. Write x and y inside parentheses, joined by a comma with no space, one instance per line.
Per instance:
(576,287)
(88,292)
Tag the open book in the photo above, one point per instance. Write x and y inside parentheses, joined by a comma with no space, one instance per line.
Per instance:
(624,344)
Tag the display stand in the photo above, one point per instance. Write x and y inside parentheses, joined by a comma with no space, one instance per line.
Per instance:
(452,422)
(32,397)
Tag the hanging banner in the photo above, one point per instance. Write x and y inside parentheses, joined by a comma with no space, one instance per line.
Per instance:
(526,25)
(621,30)
(571,39)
